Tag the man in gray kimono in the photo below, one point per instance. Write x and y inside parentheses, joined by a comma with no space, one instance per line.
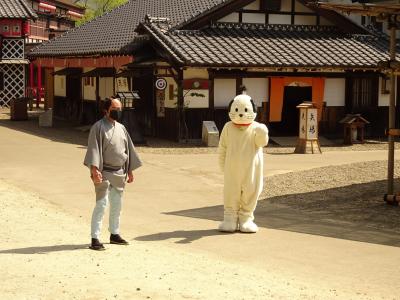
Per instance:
(111,158)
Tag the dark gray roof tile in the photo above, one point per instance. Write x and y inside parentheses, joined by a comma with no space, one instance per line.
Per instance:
(112,32)
(271,46)
(16,9)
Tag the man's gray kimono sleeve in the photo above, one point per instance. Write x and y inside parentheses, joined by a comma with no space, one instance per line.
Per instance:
(94,155)
(134,161)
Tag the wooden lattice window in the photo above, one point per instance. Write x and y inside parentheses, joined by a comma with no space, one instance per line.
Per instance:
(363,92)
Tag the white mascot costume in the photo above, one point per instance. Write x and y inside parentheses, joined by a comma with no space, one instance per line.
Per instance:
(241,160)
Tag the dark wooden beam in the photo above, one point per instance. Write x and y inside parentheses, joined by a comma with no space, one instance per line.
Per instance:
(180,103)
(211,95)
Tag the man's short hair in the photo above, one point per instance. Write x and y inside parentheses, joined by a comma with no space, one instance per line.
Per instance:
(107,104)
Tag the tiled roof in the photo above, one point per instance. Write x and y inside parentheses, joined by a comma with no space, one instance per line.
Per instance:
(69,4)
(16,9)
(253,45)
(110,33)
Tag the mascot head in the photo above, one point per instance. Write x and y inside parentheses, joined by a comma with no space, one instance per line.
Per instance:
(242,110)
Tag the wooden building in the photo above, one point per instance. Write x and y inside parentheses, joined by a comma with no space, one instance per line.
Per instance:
(14,23)
(55,17)
(283,51)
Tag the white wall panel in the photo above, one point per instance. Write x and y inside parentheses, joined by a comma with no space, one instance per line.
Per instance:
(233,17)
(305,20)
(59,85)
(106,87)
(334,93)
(89,91)
(384,99)
(279,19)
(253,18)
(255,5)
(224,91)
(257,88)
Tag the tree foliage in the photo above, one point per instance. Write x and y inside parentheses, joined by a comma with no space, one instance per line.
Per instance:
(95,8)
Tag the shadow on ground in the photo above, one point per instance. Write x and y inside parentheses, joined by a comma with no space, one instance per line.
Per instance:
(62,132)
(44,250)
(183,236)
(356,212)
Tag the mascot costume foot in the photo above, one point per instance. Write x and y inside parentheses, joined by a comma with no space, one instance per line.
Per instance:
(241,160)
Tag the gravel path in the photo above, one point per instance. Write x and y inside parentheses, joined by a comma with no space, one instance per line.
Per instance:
(351,193)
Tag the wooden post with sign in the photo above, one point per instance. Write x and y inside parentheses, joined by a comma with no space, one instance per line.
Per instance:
(308,128)
(161,85)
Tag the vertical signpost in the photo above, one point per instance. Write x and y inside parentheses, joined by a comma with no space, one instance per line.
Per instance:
(161,85)
(308,128)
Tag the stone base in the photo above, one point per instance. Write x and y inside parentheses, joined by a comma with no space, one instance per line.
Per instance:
(46,119)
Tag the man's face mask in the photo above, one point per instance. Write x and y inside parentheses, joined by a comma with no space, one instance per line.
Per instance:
(116,115)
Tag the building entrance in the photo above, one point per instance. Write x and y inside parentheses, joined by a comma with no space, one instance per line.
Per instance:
(293,96)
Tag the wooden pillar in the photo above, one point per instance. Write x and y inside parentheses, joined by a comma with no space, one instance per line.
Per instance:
(97,97)
(180,104)
(49,89)
(39,85)
(31,85)
(391,110)
(211,95)
(114,86)
(31,73)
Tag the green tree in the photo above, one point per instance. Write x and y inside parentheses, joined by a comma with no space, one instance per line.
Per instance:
(95,8)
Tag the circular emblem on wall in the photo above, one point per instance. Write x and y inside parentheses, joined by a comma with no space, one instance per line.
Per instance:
(161,84)
(196,84)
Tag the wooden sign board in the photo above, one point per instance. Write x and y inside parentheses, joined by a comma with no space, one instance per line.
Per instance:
(308,127)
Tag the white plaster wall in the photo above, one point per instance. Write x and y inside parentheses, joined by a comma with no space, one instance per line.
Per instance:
(334,92)
(286,5)
(299,7)
(305,20)
(224,91)
(233,17)
(106,87)
(171,102)
(195,101)
(89,92)
(257,88)
(59,85)
(384,99)
(195,73)
(257,18)
(255,5)
(279,19)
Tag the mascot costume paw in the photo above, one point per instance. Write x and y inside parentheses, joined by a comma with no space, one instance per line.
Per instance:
(241,160)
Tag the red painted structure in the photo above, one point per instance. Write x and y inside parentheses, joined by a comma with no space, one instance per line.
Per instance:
(11,27)
(55,17)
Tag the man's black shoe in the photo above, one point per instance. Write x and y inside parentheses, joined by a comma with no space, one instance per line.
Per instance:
(117,239)
(96,245)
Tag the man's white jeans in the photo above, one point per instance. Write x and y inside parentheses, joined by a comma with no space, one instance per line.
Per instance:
(115,198)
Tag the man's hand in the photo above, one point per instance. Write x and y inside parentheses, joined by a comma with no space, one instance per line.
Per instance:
(130,177)
(96,175)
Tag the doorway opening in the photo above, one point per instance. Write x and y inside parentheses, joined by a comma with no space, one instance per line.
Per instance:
(292,97)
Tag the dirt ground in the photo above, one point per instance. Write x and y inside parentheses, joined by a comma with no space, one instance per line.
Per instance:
(325,232)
